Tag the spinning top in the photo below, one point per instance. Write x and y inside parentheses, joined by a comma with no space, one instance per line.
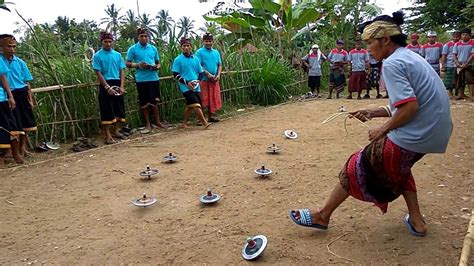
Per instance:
(209,197)
(273,149)
(342,109)
(52,145)
(263,171)
(144,201)
(170,158)
(148,172)
(290,134)
(254,247)
(195,83)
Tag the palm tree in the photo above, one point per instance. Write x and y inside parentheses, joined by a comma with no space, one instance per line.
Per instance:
(146,22)
(165,22)
(129,18)
(113,19)
(186,25)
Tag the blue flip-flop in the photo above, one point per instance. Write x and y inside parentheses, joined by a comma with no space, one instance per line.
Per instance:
(411,228)
(305,219)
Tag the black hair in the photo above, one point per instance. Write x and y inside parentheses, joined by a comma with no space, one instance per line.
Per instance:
(397,19)
(466,30)
(2,36)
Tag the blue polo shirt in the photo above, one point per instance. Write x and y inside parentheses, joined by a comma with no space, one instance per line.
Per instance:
(210,60)
(3,71)
(19,73)
(149,54)
(109,63)
(189,68)
(408,77)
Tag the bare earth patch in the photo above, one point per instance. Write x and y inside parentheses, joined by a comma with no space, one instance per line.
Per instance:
(78,209)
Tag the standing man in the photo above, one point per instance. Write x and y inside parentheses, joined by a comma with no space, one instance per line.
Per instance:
(187,70)
(374,75)
(463,55)
(313,62)
(432,51)
(19,78)
(211,63)
(414,46)
(358,60)
(145,59)
(109,67)
(9,131)
(447,63)
(338,58)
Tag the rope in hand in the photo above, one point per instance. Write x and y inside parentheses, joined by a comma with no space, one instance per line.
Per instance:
(336,115)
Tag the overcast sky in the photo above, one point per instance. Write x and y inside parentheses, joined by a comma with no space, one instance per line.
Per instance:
(42,11)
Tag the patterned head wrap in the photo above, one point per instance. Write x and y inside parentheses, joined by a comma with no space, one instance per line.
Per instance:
(142,31)
(379,29)
(106,35)
(184,40)
(207,36)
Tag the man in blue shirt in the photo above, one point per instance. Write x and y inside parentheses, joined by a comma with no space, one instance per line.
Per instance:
(19,78)
(8,129)
(145,58)
(212,65)
(187,70)
(109,67)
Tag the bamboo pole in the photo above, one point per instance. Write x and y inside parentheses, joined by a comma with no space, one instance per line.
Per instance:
(466,247)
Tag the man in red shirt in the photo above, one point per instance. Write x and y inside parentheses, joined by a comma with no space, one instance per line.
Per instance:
(414,46)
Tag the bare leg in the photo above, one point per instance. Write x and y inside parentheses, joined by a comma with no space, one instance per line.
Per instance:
(16,151)
(146,115)
(330,93)
(107,135)
(187,114)
(201,117)
(414,210)
(471,91)
(157,116)
(23,145)
(2,162)
(322,216)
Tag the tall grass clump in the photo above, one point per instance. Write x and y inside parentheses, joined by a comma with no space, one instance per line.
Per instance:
(271,82)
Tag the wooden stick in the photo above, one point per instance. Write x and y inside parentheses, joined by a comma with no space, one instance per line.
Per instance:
(334,240)
(466,247)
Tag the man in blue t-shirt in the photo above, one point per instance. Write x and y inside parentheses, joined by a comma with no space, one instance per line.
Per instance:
(187,70)
(145,58)
(19,78)
(211,63)
(463,57)
(109,67)
(8,129)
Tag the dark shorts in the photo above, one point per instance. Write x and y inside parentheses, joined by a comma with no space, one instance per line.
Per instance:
(193,99)
(8,125)
(465,77)
(112,108)
(148,93)
(314,81)
(23,112)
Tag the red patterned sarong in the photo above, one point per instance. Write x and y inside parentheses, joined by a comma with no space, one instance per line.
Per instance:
(379,173)
(211,95)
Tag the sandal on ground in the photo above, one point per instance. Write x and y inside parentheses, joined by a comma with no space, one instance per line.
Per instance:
(214,119)
(305,219)
(411,228)
(145,131)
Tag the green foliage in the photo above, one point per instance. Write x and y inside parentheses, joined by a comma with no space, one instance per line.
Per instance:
(427,15)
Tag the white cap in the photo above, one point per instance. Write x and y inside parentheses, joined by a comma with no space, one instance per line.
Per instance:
(315,46)
(431,34)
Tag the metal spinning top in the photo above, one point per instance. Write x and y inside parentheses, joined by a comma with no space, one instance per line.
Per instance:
(291,134)
(144,201)
(254,247)
(170,158)
(273,149)
(262,171)
(210,197)
(116,90)
(148,172)
(342,109)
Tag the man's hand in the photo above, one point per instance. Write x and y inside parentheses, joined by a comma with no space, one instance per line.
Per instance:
(11,102)
(142,65)
(122,90)
(191,85)
(31,101)
(363,115)
(376,133)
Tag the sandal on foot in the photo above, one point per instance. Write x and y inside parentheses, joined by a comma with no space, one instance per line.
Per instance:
(411,228)
(119,136)
(145,131)
(305,219)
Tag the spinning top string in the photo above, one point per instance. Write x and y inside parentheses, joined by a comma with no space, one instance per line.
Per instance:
(335,115)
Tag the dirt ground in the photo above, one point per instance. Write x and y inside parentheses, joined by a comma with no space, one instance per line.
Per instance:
(78,209)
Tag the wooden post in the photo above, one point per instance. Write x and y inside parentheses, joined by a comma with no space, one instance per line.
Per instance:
(466,247)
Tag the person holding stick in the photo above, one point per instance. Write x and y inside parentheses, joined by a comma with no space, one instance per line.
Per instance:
(419,122)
